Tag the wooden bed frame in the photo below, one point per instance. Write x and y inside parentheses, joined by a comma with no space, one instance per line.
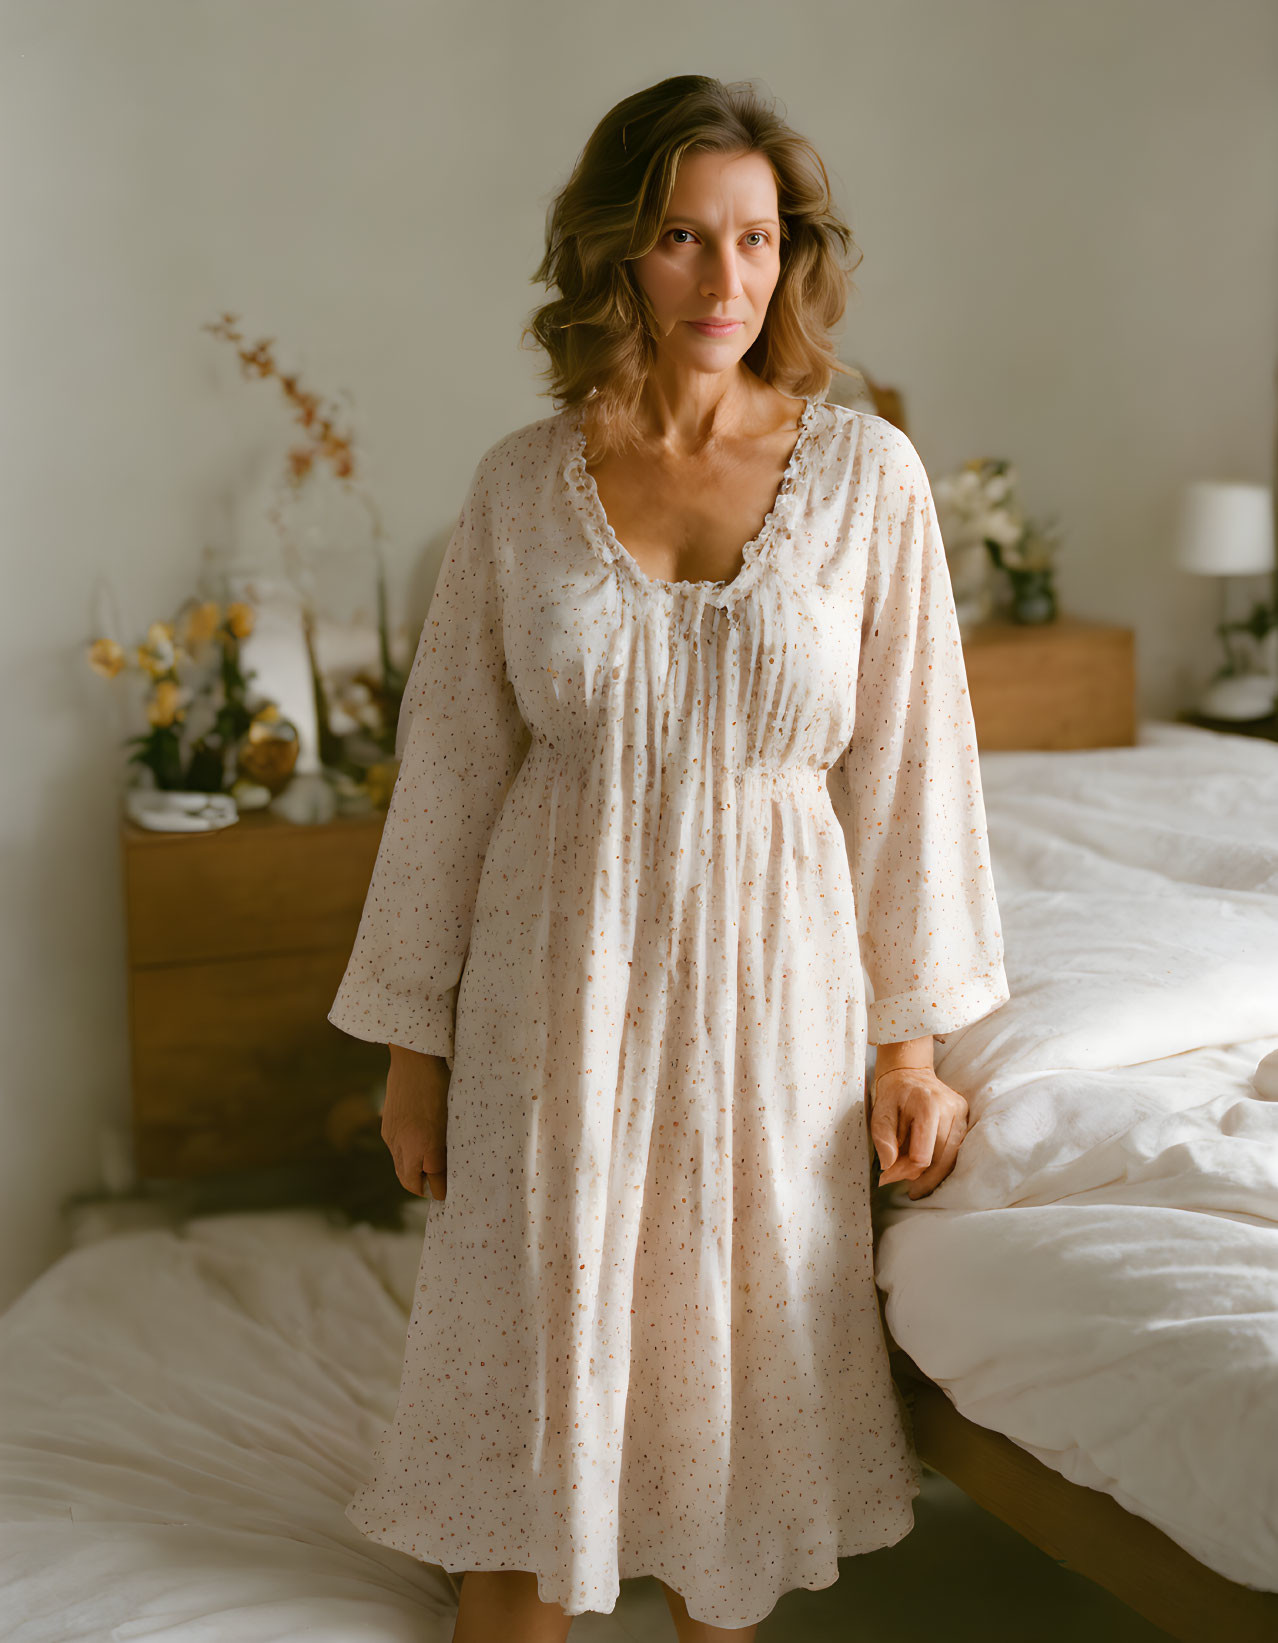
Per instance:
(1083,1529)
(237,941)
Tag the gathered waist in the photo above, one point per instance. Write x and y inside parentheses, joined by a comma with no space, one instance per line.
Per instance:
(710,772)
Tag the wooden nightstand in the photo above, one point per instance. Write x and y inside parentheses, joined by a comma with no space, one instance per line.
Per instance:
(237,941)
(1064,684)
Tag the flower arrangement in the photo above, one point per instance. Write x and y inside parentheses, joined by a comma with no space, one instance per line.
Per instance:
(195,660)
(979,514)
(375,713)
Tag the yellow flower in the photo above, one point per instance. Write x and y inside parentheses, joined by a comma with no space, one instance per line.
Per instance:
(266,725)
(106,657)
(158,654)
(164,707)
(239,618)
(202,622)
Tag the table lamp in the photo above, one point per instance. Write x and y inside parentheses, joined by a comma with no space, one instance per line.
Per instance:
(1227,529)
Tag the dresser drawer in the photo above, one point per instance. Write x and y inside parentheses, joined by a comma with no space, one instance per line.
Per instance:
(237,941)
(262,885)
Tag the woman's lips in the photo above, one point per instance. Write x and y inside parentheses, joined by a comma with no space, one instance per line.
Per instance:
(715,328)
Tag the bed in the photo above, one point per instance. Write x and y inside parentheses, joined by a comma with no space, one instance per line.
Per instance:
(1095,1287)
(1083,1318)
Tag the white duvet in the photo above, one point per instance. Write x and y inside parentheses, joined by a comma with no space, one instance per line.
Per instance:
(184,1413)
(1098,1277)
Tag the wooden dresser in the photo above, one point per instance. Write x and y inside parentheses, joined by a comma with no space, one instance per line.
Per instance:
(237,941)
(1065,684)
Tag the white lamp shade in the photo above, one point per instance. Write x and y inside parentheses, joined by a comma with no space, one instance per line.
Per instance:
(1226,529)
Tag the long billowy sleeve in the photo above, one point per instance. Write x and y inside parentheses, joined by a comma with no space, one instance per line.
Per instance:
(907,788)
(461,740)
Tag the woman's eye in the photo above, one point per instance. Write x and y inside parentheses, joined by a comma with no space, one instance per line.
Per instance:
(755,233)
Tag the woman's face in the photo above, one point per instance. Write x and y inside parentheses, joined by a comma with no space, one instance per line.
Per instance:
(718,256)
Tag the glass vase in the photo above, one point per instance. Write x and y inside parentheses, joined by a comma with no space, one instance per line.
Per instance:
(1033,596)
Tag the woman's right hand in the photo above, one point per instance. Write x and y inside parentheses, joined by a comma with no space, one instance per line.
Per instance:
(415,1120)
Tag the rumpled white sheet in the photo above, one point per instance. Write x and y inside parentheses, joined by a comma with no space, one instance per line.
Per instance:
(184,1416)
(1098,1277)
(184,1413)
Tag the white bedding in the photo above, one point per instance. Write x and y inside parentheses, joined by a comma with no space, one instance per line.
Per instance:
(182,1414)
(185,1413)
(1098,1278)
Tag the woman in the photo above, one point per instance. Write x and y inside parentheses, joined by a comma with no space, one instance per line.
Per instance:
(661,797)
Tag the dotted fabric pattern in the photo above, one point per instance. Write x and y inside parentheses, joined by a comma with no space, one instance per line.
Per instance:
(648,843)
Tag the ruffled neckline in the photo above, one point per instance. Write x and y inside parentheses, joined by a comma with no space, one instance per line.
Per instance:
(584,495)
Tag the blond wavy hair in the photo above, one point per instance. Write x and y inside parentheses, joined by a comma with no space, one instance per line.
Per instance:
(600,332)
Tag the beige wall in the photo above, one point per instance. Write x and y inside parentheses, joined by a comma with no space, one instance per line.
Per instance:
(1068,219)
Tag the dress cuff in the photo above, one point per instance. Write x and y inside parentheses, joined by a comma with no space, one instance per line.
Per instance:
(422,1024)
(905,1016)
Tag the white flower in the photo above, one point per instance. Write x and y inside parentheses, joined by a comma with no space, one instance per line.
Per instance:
(340,722)
(1003,526)
(969,570)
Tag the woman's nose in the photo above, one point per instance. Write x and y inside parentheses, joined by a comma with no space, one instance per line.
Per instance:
(721,280)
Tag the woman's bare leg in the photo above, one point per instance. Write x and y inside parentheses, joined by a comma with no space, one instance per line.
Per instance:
(504,1604)
(696,1631)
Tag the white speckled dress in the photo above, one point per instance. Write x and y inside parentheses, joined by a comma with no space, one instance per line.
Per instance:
(644,837)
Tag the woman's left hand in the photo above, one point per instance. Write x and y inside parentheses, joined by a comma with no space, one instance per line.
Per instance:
(917,1124)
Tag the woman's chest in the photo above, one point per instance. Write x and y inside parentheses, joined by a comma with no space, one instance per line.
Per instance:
(691,520)
(771,661)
